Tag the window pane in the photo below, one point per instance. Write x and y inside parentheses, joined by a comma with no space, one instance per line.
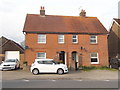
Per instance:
(93,55)
(41,55)
(74,36)
(60,38)
(74,40)
(94,60)
(93,41)
(41,38)
(93,36)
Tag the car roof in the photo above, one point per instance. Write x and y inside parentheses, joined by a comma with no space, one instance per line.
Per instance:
(43,59)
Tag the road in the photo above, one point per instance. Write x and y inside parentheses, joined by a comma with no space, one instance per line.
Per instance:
(59,84)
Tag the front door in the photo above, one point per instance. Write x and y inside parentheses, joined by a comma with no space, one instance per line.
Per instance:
(62,57)
(75,58)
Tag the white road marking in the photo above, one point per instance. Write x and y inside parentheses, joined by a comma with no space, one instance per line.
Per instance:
(80,80)
(107,80)
(53,80)
(26,80)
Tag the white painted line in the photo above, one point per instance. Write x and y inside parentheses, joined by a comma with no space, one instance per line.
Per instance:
(107,80)
(53,80)
(26,80)
(80,80)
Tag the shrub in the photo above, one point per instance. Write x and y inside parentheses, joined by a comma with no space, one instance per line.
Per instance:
(25,62)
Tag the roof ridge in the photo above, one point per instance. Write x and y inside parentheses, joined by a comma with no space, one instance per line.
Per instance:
(62,16)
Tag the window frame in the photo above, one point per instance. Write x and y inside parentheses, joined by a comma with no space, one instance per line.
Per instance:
(42,38)
(94,57)
(93,39)
(41,57)
(75,38)
(63,38)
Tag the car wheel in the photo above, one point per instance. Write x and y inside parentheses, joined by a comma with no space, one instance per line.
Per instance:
(35,71)
(60,71)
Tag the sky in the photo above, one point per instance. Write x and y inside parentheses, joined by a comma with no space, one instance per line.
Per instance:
(13,13)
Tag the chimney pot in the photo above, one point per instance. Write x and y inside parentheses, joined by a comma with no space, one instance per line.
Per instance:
(83,13)
(42,11)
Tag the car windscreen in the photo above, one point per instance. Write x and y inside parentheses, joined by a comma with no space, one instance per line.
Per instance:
(10,60)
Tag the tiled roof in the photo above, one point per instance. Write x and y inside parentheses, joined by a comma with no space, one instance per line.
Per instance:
(4,41)
(117,20)
(63,24)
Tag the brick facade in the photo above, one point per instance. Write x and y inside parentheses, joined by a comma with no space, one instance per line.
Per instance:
(52,47)
(73,55)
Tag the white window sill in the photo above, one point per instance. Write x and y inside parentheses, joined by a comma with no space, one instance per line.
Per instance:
(93,43)
(41,42)
(75,43)
(95,63)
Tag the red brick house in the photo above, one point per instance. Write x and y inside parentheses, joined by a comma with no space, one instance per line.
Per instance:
(74,40)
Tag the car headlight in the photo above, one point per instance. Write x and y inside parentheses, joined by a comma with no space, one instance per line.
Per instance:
(64,67)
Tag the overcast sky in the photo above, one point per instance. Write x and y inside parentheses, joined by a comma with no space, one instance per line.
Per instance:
(13,12)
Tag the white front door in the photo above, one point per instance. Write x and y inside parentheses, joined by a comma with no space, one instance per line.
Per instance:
(12,55)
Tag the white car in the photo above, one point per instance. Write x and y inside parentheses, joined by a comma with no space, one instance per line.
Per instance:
(10,64)
(48,66)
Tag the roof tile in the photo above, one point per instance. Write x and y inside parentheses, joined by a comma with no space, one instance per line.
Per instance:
(63,24)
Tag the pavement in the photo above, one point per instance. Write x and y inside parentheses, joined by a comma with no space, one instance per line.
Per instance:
(72,75)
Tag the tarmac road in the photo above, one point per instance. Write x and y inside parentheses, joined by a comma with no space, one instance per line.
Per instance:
(60,84)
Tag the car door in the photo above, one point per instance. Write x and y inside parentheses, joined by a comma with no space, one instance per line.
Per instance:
(49,66)
(41,66)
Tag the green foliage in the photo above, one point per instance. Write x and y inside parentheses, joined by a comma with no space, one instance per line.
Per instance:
(25,62)
(88,68)
(60,61)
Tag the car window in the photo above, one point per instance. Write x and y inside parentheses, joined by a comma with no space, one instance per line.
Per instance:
(47,62)
(40,62)
(10,60)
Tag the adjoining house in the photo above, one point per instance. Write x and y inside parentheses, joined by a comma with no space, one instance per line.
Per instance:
(10,50)
(114,39)
(73,40)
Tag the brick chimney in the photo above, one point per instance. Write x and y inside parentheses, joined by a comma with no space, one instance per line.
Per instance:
(83,13)
(42,11)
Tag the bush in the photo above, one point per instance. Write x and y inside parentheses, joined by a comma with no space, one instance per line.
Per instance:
(25,62)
